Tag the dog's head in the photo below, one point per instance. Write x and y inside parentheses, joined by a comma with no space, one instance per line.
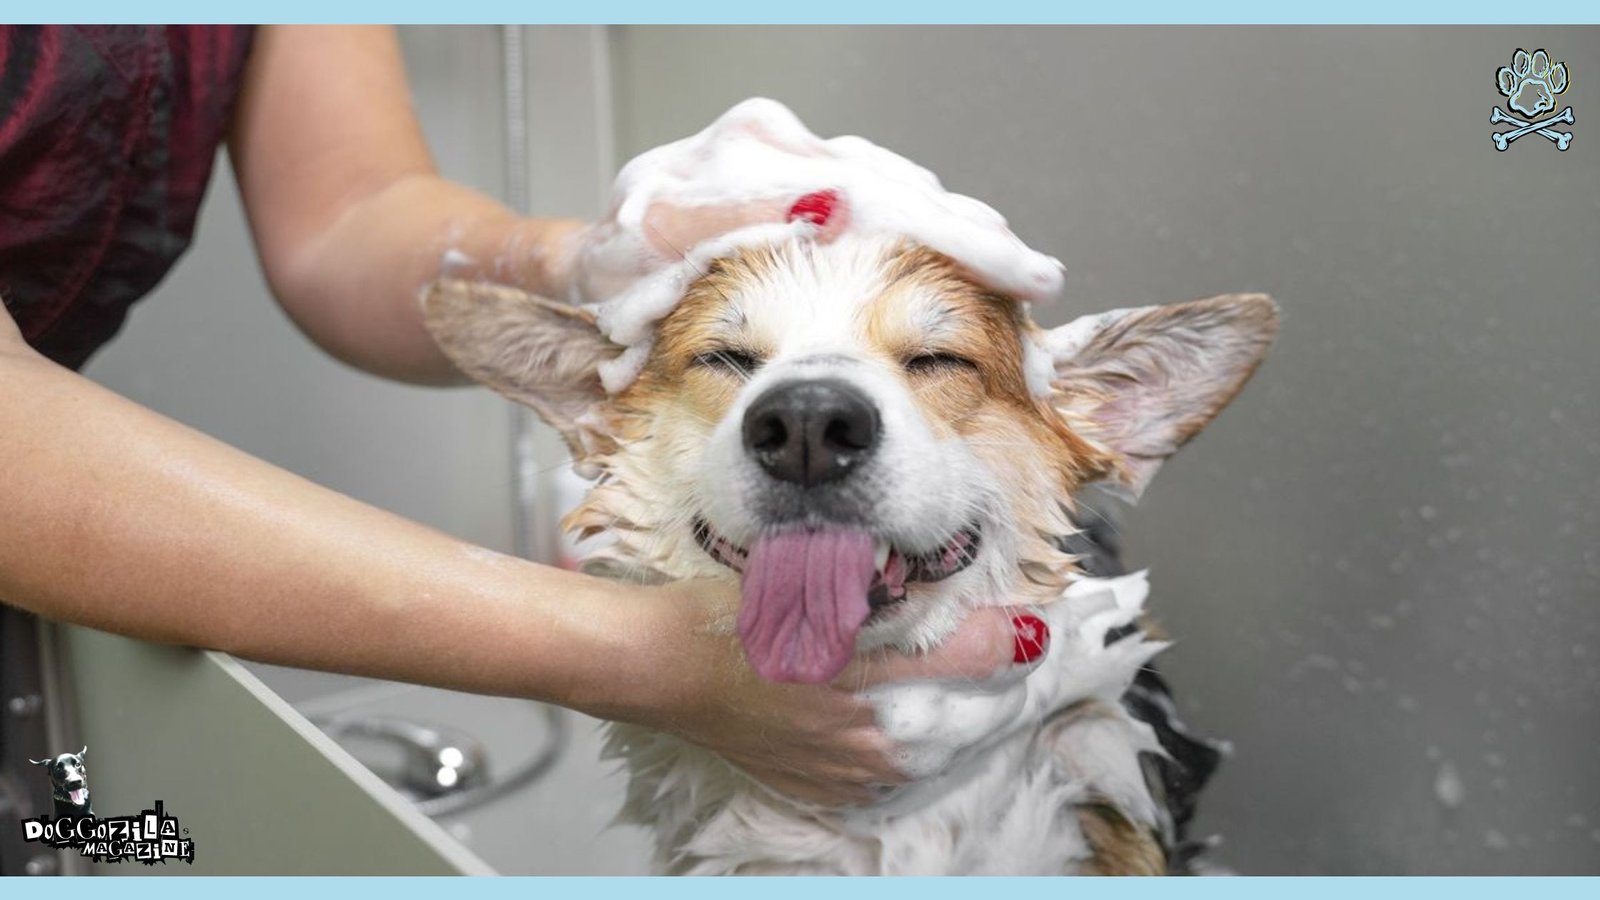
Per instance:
(69,777)
(872,441)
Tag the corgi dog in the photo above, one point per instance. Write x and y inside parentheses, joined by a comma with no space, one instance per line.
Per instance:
(872,444)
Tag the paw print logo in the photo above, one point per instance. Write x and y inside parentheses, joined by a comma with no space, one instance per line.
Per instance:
(1532,82)
(1530,85)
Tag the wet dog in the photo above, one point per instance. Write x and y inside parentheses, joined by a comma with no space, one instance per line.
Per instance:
(872,443)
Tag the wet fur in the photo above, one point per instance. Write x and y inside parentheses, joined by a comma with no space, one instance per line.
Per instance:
(1053,800)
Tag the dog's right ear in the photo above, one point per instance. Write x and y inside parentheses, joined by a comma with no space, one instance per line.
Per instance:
(1144,381)
(42,762)
(538,352)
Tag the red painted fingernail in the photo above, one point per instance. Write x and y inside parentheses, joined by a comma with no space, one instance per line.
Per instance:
(816,207)
(1033,636)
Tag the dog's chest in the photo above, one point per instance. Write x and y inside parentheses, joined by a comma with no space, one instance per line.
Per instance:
(1011,809)
(1005,776)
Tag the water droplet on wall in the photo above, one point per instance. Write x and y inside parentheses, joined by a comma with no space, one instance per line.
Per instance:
(1447,786)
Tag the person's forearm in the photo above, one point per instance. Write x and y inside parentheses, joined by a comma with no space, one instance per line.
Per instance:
(349,214)
(117,518)
(355,287)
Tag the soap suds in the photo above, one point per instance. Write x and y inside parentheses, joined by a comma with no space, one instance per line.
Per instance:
(1037,367)
(938,724)
(454,262)
(759,151)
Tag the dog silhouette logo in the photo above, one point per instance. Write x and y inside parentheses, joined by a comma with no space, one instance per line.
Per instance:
(69,782)
(1530,85)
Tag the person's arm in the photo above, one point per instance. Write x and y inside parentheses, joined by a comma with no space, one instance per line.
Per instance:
(349,213)
(120,519)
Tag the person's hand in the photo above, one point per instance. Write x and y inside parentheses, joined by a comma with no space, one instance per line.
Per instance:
(816,743)
(602,259)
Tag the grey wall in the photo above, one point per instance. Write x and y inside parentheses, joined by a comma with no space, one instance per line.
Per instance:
(1382,565)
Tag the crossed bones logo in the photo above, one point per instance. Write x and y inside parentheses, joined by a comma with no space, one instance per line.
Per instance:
(1530,85)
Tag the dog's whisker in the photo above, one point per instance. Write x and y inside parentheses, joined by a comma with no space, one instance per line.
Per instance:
(621,444)
(998,442)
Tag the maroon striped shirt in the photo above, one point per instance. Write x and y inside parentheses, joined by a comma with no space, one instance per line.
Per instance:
(107,139)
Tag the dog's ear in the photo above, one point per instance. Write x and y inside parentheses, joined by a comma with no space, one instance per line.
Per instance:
(42,762)
(84,752)
(1144,381)
(537,352)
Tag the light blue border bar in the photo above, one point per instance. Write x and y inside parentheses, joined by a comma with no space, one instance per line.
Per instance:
(808,888)
(1348,12)
(849,12)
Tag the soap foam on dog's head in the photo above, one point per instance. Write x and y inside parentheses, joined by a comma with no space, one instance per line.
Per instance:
(757,151)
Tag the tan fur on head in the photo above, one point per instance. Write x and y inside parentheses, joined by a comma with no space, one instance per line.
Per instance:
(1037,457)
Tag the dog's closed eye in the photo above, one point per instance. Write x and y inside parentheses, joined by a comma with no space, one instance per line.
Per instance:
(938,363)
(730,360)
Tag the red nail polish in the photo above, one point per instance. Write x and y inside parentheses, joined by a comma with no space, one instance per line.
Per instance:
(1033,636)
(816,207)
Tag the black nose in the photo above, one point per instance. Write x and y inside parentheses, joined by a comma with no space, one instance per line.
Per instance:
(810,432)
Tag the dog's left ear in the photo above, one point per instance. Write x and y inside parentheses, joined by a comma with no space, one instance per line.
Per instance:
(1144,381)
(538,352)
(84,752)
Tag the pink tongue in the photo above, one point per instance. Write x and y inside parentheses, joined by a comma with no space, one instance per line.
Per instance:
(805,597)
